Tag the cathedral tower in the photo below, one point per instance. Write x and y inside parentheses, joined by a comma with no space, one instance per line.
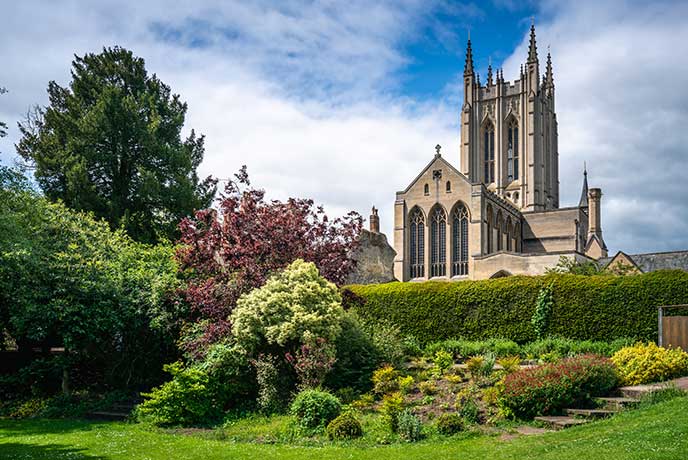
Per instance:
(509,133)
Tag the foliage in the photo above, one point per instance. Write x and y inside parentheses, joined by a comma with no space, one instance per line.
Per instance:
(315,408)
(388,341)
(461,348)
(345,426)
(29,408)
(385,380)
(405,384)
(658,396)
(575,267)
(443,360)
(391,407)
(312,362)
(551,387)
(510,363)
(187,399)
(427,388)
(67,280)
(643,363)
(585,307)
(543,311)
(232,250)
(294,306)
(481,366)
(449,423)
(563,347)
(469,411)
(356,356)
(271,387)
(3,125)
(110,143)
(409,426)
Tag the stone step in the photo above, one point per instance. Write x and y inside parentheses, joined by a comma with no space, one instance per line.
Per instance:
(559,422)
(107,415)
(591,413)
(617,402)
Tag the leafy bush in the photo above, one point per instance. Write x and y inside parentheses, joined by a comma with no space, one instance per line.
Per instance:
(405,384)
(391,407)
(356,357)
(187,399)
(271,387)
(385,380)
(443,360)
(585,307)
(449,423)
(29,408)
(460,348)
(294,305)
(543,311)
(649,363)
(428,388)
(469,411)
(315,408)
(409,426)
(312,362)
(345,426)
(481,366)
(551,387)
(388,341)
(510,363)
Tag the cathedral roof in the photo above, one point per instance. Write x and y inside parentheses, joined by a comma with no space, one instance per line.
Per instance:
(437,159)
(651,261)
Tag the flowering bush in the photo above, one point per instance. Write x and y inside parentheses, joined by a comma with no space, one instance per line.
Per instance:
(312,362)
(649,363)
(552,387)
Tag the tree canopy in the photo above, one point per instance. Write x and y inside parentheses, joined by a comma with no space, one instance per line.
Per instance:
(110,143)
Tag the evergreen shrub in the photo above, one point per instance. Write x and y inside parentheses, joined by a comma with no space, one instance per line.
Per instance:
(645,363)
(584,308)
(315,408)
(345,426)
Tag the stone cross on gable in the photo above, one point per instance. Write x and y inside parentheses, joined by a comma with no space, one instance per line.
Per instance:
(437,148)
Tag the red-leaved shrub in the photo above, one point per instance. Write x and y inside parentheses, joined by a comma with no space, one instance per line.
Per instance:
(552,387)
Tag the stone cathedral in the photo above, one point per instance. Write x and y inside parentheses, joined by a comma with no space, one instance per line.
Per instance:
(498,214)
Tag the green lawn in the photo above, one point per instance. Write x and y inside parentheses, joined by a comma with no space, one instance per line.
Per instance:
(658,432)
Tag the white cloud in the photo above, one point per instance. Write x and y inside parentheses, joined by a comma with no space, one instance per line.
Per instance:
(303,94)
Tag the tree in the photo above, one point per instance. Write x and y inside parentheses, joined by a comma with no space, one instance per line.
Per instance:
(67,280)
(3,125)
(110,143)
(233,250)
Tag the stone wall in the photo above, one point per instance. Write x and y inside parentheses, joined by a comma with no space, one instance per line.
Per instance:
(374,260)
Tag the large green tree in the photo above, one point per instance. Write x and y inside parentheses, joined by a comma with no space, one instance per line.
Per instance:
(111,143)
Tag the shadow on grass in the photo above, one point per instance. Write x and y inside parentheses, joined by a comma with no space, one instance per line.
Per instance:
(10,427)
(16,450)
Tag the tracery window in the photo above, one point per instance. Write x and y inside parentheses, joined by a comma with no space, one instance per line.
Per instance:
(499,226)
(417,243)
(488,229)
(512,151)
(460,241)
(488,152)
(438,242)
(509,235)
(517,237)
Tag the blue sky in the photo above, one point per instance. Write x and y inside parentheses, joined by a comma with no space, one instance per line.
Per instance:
(343,102)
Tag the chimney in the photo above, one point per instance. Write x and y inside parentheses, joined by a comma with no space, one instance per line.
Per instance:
(374,221)
(594,217)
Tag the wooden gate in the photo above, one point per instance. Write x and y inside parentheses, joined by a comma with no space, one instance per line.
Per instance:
(673,330)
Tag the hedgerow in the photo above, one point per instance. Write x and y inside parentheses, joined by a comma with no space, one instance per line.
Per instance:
(585,307)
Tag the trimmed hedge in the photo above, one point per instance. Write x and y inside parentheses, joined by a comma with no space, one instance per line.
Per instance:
(585,307)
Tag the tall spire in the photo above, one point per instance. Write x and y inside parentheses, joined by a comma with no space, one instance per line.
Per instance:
(549,76)
(583,203)
(468,67)
(489,72)
(532,50)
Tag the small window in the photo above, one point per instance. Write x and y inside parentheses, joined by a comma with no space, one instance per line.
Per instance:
(448,186)
(426,189)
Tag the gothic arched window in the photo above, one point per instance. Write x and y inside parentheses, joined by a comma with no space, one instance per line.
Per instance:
(517,237)
(512,151)
(438,242)
(488,229)
(417,243)
(460,241)
(509,234)
(488,152)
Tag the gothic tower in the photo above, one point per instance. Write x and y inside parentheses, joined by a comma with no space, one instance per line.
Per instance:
(509,133)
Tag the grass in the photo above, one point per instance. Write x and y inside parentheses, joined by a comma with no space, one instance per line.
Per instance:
(656,432)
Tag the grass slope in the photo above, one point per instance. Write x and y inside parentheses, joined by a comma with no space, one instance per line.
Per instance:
(658,432)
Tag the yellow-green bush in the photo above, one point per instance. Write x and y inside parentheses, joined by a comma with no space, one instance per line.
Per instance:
(643,363)
(585,307)
(385,380)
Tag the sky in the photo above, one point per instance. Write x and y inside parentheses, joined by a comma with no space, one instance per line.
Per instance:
(343,102)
